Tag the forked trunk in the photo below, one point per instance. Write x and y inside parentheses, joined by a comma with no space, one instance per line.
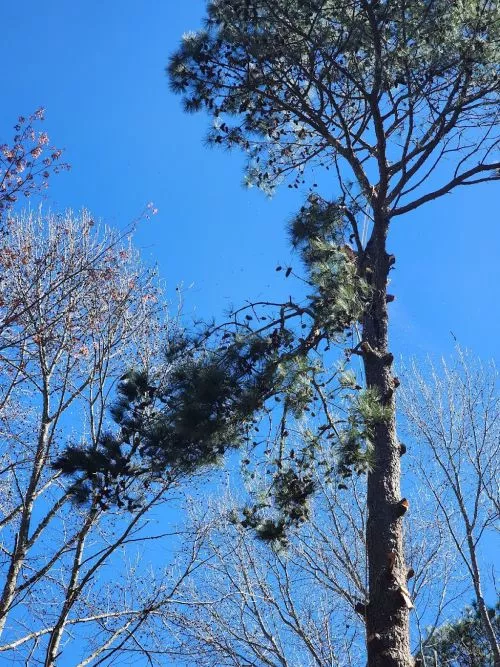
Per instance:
(387,612)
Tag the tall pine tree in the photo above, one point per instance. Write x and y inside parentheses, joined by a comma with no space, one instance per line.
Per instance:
(399,100)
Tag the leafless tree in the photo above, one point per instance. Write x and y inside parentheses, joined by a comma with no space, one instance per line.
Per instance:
(303,604)
(77,308)
(254,605)
(26,162)
(453,414)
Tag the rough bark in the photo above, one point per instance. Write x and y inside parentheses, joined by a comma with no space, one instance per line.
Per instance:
(387,613)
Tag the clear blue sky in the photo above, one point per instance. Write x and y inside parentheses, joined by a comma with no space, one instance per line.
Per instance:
(98,68)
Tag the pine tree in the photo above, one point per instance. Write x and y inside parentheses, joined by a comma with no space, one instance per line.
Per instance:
(399,101)
(462,643)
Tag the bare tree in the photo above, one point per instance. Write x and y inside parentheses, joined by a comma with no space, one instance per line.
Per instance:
(26,162)
(77,308)
(255,605)
(252,603)
(454,416)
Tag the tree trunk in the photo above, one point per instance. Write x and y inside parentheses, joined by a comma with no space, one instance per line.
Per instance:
(481,604)
(21,544)
(387,613)
(72,593)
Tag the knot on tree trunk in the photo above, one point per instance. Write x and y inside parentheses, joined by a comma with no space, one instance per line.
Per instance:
(402,507)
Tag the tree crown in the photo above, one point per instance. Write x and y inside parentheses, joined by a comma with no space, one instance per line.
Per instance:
(384,88)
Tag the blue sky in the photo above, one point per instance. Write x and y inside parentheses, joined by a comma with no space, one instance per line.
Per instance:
(98,68)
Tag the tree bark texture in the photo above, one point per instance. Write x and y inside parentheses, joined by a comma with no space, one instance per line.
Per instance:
(387,612)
